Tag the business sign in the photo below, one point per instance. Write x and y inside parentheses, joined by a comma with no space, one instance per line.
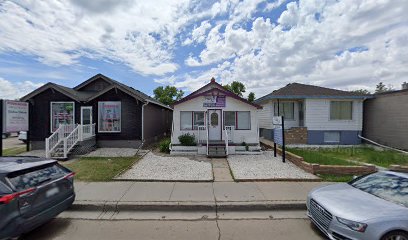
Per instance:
(15,116)
(277,120)
(214,101)
(278,135)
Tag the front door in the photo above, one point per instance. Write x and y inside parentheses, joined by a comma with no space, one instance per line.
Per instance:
(86,115)
(214,124)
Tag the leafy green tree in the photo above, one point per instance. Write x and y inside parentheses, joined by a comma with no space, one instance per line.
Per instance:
(235,87)
(380,88)
(167,95)
(251,97)
(362,91)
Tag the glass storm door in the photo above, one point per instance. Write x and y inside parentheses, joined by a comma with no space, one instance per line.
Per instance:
(214,124)
(86,115)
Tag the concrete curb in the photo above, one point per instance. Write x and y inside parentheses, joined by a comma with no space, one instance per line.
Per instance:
(187,206)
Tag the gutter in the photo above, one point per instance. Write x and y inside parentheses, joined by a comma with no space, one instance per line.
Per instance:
(143,106)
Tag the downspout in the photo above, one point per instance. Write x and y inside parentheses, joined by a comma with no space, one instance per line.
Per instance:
(143,106)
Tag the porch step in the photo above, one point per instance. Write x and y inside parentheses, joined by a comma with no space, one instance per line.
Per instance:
(216,151)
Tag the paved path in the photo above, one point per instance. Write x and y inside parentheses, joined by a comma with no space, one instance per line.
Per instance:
(221,170)
(125,195)
(12,142)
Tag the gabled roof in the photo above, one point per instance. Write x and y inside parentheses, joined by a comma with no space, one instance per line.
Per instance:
(84,96)
(216,87)
(301,91)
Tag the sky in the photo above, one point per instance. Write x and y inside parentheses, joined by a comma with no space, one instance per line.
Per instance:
(343,44)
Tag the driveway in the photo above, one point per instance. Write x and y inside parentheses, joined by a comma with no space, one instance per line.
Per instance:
(12,142)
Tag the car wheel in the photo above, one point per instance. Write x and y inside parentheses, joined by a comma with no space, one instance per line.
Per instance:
(395,235)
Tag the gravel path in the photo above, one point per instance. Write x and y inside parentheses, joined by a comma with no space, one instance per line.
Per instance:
(115,152)
(265,166)
(169,168)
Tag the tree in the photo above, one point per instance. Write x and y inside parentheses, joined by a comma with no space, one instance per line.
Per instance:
(362,91)
(251,97)
(236,87)
(380,88)
(167,95)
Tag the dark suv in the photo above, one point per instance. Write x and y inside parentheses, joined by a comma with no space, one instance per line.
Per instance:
(32,192)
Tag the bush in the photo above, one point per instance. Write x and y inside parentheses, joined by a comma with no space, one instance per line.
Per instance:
(187,139)
(164,145)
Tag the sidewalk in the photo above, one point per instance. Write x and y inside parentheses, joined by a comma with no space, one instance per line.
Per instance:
(163,196)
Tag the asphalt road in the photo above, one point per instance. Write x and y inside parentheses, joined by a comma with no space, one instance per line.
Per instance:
(282,229)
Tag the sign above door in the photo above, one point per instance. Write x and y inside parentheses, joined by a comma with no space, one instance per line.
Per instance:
(214,101)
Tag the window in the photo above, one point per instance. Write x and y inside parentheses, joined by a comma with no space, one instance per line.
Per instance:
(286,109)
(214,119)
(241,120)
(332,137)
(191,120)
(62,113)
(109,117)
(198,119)
(229,118)
(341,110)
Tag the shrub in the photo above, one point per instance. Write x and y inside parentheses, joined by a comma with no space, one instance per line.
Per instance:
(164,145)
(187,139)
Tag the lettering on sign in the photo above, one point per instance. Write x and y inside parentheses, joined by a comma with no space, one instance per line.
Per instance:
(214,101)
(15,116)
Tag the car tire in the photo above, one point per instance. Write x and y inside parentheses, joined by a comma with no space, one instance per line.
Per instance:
(401,235)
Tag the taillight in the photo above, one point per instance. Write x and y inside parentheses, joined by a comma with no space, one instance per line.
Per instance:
(70,175)
(9,197)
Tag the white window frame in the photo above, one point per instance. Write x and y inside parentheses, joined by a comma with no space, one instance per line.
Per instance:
(73,113)
(237,120)
(99,116)
(324,138)
(330,110)
(283,109)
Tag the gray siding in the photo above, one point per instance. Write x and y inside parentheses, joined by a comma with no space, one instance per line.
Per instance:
(386,119)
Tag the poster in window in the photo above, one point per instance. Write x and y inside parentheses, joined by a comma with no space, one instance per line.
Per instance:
(61,113)
(109,116)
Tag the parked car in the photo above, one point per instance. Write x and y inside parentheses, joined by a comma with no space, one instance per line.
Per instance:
(32,191)
(371,207)
(22,136)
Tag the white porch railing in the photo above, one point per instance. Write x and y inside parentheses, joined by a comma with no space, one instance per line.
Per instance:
(69,136)
(226,140)
(230,131)
(201,134)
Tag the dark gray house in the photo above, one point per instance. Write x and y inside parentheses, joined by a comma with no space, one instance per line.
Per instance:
(100,111)
(386,118)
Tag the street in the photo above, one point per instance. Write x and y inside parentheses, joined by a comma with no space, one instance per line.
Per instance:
(282,229)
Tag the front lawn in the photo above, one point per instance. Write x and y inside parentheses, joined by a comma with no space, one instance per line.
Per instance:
(335,178)
(339,156)
(99,169)
(14,151)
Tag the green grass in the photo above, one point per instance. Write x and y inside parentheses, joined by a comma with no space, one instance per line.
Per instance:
(320,157)
(14,151)
(336,178)
(98,169)
(338,156)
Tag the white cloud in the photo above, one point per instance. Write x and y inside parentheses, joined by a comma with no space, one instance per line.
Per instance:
(15,90)
(313,43)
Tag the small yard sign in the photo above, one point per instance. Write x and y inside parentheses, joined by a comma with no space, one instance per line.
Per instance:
(279,134)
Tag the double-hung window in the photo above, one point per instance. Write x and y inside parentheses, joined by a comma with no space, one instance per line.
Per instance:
(341,110)
(286,109)
(109,117)
(191,120)
(241,120)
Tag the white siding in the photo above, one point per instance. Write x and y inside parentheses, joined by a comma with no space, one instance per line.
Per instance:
(266,114)
(196,104)
(317,116)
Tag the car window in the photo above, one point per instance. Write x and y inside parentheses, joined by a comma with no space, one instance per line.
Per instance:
(34,177)
(4,189)
(386,186)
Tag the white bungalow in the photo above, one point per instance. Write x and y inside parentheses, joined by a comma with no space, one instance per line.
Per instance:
(222,123)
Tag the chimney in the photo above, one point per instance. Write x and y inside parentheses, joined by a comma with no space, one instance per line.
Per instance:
(404,85)
(212,79)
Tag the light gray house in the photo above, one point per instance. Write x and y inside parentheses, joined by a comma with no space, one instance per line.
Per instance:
(386,118)
(313,115)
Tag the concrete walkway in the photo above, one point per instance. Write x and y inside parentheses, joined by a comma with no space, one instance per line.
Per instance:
(127,196)
(221,170)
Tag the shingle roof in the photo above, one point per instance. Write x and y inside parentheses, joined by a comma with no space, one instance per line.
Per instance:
(298,90)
